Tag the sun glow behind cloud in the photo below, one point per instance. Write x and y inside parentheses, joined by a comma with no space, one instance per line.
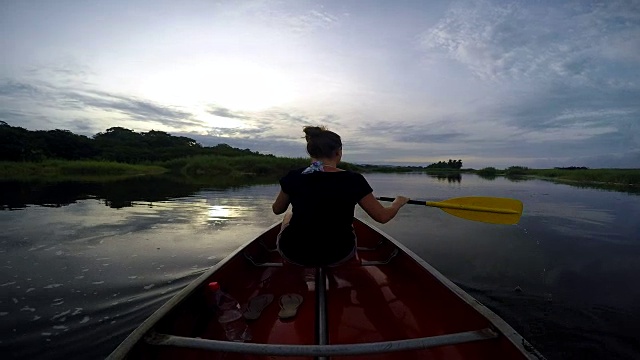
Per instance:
(235,85)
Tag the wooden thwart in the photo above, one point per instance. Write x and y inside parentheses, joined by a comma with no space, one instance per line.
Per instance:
(322,350)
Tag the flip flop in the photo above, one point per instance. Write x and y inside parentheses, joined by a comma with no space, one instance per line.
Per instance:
(256,305)
(289,304)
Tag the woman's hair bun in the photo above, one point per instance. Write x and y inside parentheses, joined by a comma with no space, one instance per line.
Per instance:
(321,143)
(313,131)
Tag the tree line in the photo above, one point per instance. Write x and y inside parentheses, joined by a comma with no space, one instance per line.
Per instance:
(114,144)
(451,164)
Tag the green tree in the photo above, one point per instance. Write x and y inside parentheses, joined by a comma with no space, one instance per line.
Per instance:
(16,144)
(63,144)
(451,164)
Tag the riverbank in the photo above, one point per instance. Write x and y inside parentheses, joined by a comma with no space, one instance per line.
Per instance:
(621,177)
(204,168)
(603,176)
(201,169)
(65,170)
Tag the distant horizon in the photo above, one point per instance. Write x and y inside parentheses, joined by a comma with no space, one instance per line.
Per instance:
(407,164)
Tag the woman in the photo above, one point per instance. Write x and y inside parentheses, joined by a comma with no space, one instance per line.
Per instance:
(319,231)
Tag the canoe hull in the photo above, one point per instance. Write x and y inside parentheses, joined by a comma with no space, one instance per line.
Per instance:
(385,295)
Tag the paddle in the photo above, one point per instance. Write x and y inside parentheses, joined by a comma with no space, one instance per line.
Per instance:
(477,208)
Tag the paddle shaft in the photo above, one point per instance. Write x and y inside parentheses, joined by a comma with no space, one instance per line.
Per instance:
(456,206)
(414,202)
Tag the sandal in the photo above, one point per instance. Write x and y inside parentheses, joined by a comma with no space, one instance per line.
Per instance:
(256,305)
(289,304)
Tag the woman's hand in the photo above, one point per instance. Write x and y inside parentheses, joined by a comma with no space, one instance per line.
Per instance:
(400,201)
(377,211)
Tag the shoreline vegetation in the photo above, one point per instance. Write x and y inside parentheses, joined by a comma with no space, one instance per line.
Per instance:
(117,153)
(206,169)
(618,177)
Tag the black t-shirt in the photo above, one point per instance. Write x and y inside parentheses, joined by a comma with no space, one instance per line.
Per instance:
(323,208)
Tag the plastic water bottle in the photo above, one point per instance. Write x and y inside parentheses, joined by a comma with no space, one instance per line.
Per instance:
(229,315)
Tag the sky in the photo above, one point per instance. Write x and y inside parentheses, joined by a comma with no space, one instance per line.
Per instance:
(493,83)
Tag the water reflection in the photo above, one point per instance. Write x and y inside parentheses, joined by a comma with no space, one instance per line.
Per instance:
(96,259)
(129,192)
(116,194)
(487,176)
(86,273)
(450,178)
(18,195)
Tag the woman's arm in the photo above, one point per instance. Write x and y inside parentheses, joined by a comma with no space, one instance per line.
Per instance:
(379,213)
(281,203)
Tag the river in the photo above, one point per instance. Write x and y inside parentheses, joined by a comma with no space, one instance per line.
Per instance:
(81,265)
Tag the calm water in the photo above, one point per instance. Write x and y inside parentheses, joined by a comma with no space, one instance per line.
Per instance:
(82,265)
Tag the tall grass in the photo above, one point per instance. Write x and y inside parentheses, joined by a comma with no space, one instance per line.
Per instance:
(237,166)
(488,171)
(241,166)
(613,176)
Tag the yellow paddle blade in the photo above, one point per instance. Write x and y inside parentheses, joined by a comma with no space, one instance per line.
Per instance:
(485,209)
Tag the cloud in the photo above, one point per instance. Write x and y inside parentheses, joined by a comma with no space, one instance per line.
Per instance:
(275,131)
(431,132)
(10,88)
(296,18)
(526,40)
(135,108)
(239,133)
(310,21)
(564,113)
(48,97)
(25,119)
(64,70)
(265,144)
(288,122)
(224,112)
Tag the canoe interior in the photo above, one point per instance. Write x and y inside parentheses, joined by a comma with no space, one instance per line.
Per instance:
(394,301)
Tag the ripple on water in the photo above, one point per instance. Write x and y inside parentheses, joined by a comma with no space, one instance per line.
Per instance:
(61,316)
(52,286)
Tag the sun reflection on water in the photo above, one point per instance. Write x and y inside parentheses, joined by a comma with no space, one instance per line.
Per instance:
(221,213)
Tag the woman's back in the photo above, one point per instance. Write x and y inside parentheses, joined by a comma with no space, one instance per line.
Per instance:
(324,198)
(319,230)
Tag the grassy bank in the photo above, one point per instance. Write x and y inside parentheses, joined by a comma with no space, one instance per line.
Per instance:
(611,176)
(234,167)
(605,176)
(248,168)
(61,170)
(201,169)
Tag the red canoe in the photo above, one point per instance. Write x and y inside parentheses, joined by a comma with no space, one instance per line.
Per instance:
(385,304)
